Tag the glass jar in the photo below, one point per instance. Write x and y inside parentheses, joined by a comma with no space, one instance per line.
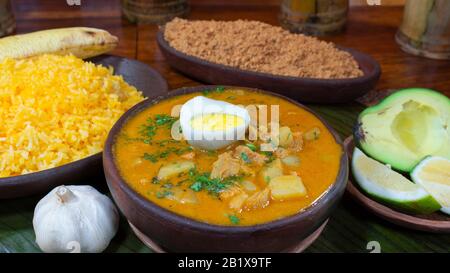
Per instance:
(425,29)
(7,22)
(314,17)
(154,11)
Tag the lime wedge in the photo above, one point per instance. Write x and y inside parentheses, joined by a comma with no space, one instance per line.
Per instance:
(389,187)
(433,174)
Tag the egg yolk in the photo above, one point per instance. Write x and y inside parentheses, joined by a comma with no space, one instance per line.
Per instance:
(216,122)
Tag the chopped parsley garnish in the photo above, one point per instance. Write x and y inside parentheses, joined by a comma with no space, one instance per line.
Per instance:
(148,130)
(163,119)
(192,172)
(202,181)
(244,157)
(270,156)
(150,157)
(147,140)
(251,146)
(219,89)
(234,219)
(197,186)
(155,180)
(164,154)
(163,143)
(163,194)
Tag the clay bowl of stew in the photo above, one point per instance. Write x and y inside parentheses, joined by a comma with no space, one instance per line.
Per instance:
(204,227)
(307,90)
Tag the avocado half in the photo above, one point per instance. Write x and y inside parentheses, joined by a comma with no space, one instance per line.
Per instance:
(405,127)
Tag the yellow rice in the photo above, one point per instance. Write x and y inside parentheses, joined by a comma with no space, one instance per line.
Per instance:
(55,110)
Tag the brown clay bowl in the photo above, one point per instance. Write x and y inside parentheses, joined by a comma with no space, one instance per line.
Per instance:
(177,233)
(307,90)
(138,74)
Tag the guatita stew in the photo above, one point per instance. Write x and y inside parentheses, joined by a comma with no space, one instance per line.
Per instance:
(171,154)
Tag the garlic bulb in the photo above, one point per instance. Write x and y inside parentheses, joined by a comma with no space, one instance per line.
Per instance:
(75,219)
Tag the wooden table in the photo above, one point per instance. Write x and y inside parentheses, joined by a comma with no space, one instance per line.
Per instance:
(370,29)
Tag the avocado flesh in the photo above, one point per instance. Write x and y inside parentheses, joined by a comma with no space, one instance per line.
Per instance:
(406,127)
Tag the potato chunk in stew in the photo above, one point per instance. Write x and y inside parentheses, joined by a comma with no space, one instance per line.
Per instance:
(287,187)
(286,137)
(173,169)
(184,196)
(271,170)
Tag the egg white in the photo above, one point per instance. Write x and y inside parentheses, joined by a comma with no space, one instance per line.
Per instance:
(207,139)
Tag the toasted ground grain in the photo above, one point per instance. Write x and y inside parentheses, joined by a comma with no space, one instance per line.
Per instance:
(256,46)
(55,110)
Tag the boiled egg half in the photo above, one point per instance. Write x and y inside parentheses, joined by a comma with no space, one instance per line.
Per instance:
(212,124)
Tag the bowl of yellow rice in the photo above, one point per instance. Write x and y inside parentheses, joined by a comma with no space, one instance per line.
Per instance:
(56,112)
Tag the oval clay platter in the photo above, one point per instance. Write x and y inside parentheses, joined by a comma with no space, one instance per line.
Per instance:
(436,222)
(302,89)
(135,73)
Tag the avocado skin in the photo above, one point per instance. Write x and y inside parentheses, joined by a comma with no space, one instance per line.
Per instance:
(360,136)
(358,133)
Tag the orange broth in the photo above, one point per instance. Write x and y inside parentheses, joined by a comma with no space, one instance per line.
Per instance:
(318,169)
